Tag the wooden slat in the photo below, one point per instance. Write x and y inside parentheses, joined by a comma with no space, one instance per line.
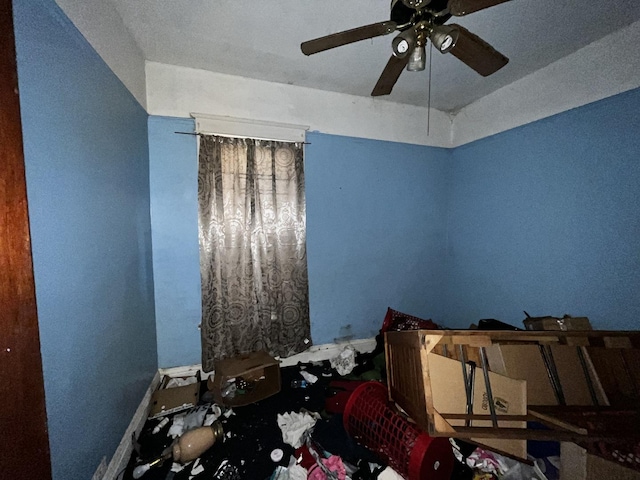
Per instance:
(551,419)
(518,433)
(476,416)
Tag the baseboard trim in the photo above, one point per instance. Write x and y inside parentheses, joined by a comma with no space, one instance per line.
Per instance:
(121,457)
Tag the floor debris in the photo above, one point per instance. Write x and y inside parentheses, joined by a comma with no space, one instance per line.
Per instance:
(254,446)
(296,434)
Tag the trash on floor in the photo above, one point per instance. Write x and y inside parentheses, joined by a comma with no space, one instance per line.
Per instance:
(245,379)
(345,361)
(294,426)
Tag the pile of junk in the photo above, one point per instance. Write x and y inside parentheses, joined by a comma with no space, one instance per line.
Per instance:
(332,419)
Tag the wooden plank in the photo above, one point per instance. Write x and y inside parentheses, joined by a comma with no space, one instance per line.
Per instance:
(529,336)
(528,434)
(24,441)
(617,342)
(475,416)
(505,433)
(550,419)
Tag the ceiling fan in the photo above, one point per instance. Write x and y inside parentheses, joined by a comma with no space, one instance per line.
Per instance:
(419,21)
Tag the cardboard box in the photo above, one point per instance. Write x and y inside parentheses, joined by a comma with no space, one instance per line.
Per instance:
(554,323)
(577,464)
(525,362)
(259,369)
(448,394)
(170,400)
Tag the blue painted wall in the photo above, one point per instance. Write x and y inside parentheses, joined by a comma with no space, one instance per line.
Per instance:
(375,235)
(86,155)
(541,218)
(173,173)
(376,217)
(546,218)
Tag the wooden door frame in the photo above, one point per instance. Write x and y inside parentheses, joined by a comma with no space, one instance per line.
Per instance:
(24,442)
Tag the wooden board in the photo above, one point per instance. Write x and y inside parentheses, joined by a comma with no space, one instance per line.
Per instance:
(24,440)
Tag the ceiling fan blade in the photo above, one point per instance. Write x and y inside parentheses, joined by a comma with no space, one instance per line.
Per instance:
(348,36)
(477,54)
(389,76)
(459,8)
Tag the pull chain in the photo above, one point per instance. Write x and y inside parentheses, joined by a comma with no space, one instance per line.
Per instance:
(429,93)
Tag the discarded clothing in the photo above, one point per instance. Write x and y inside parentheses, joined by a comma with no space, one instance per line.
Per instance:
(331,436)
(334,464)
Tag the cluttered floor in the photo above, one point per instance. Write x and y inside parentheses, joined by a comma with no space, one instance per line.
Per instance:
(332,419)
(300,433)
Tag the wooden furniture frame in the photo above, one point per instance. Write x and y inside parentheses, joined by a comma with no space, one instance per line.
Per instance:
(410,387)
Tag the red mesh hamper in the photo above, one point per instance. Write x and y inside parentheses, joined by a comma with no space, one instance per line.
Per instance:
(374,423)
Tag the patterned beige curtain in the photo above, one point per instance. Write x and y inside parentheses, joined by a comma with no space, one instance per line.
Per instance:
(253,259)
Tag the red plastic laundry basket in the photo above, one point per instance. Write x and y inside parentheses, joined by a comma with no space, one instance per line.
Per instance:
(376,424)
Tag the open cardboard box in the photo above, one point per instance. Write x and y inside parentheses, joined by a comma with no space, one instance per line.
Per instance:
(170,400)
(448,396)
(556,323)
(258,368)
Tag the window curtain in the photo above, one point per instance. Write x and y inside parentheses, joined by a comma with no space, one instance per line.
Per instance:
(253,260)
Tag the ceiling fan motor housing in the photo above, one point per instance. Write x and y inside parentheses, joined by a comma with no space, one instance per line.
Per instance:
(416,4)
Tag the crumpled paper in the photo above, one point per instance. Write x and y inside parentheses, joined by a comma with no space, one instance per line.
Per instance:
(293,425)
(187,421)
(345,362)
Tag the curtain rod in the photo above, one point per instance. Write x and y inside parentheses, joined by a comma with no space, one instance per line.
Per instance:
(264,139)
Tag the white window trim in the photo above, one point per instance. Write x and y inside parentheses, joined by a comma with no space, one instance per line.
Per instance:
(244,128)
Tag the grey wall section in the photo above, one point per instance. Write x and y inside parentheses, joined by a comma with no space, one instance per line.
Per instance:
(86,155)
(545,218)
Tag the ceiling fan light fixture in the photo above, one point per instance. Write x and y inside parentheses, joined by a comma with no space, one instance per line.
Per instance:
(417,60)
(404,44)
(444,37)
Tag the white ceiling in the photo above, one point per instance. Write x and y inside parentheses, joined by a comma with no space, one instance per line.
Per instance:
(261,40)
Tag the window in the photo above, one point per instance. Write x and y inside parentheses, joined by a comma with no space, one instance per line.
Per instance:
(252,235)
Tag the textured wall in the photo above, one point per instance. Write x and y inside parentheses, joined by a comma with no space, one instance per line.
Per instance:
(86,155)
